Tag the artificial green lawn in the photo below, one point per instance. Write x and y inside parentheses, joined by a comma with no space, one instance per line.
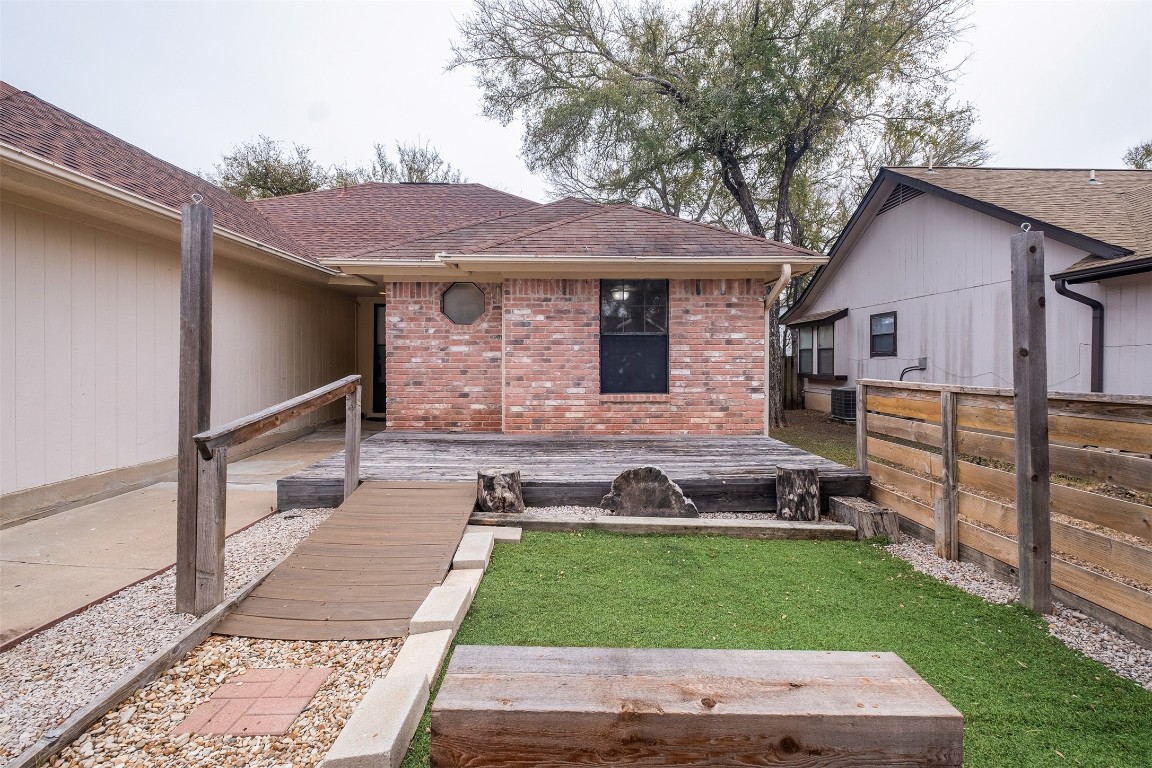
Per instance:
(1027,699)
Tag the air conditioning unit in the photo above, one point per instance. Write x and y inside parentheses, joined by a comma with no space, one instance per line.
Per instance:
(844,404)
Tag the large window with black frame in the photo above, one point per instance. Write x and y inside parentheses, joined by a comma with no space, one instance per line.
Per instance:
(633,336)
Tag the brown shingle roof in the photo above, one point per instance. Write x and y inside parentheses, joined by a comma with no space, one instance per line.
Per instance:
(628,230)
(38,128)
(1117,210)
(343,222)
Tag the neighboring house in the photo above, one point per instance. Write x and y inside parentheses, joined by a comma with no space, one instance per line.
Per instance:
(463,307)
(921,274)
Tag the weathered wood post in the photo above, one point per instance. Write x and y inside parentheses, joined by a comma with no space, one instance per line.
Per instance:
(947,520)
(352,441)
(1030,390)
(212,489)
(862,427)
(797,492)
(195,399)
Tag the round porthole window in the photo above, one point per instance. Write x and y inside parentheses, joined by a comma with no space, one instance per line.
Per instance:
(463,303)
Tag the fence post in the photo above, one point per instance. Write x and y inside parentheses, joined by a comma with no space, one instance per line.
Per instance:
(1030,390)
(351,441)
(947,522)
(862,427)
(212,487)
(195,397)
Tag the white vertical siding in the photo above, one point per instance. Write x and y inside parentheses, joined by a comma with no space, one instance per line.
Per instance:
(89,330)
(945,270)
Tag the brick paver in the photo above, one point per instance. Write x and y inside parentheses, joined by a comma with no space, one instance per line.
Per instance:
(257,702)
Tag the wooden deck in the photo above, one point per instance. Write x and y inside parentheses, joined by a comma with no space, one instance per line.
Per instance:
(720,474)
(364,571)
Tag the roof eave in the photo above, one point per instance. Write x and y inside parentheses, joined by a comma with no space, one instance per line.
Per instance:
(39,165)
(1105,271)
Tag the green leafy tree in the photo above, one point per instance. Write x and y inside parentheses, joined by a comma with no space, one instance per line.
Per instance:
(415,163)
(267,168)
(1139,156)
(732,112)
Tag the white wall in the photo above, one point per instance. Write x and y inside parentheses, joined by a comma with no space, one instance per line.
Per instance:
(89,326)
(945,270)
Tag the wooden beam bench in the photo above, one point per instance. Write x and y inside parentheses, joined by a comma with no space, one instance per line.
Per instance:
(502,705)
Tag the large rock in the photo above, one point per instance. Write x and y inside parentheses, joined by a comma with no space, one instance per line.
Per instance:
(647,492)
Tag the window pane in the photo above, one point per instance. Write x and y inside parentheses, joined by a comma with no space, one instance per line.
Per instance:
(825,362)
(824,336)
(634,363)
(463,303)
(634,306)
(806,361)
(806,338)
(884,344)
(884,323)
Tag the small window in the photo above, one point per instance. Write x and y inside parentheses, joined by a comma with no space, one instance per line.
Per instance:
(883,335)
(463,303)
(816,349)
(633,336)
(805,348)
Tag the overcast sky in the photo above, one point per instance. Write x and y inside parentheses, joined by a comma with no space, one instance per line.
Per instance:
(1057,84)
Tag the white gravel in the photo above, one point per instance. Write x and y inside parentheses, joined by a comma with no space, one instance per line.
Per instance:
(1071,627)
(46,678)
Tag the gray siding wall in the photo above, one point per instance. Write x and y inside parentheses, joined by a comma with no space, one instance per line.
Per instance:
(945,270)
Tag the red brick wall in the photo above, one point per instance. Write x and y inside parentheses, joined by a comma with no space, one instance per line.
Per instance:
(716,361)
(441,376)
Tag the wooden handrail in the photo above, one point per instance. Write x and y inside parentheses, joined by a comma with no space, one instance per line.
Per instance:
(244,429)
(1087,397)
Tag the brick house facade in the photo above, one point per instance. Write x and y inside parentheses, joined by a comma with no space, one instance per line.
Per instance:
(444,376)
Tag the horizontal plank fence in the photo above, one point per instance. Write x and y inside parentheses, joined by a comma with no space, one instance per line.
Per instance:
(212,476)
(932,452)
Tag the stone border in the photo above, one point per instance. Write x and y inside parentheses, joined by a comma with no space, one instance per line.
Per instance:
(381,727)
(741,529)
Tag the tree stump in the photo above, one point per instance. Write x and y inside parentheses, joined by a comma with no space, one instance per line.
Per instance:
(797,492)
(647,492)
(498,490)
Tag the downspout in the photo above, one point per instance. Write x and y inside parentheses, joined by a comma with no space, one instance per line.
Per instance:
(1097,331)
(773,294)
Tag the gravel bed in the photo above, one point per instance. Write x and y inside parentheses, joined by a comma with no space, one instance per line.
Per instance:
(587,513)
(1071,627)
(139,731)
(46,678)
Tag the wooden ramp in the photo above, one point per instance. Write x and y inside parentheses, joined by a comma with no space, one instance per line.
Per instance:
(365,570)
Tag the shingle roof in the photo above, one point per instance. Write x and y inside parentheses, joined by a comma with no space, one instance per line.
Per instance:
(469,239)
(1117,210)
(344,222)
(628,230)
(39,128)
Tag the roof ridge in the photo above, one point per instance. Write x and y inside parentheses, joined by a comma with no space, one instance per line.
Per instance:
(544,227)
(713,228)
(415,238)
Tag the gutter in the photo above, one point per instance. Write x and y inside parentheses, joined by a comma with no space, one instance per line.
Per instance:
(1097,330)
(47,168)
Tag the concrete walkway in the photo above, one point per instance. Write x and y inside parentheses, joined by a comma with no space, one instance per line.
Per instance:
(54,566)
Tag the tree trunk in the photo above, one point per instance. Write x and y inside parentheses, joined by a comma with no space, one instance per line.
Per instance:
(797,492)
(498,490)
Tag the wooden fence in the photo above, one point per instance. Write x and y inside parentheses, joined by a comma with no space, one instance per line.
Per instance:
(936,449)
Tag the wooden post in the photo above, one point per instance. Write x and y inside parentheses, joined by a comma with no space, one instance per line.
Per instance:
(947,506)
(1030,389)
(797,492)
(499,490)
(352,441)
(212,481)
(862,427)
(195,403)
